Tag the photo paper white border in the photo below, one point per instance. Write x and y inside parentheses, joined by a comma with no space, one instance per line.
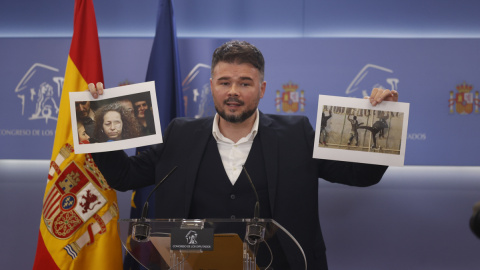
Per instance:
(322,152)
(112,93)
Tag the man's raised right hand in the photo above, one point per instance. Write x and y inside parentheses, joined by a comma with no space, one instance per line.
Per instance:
(95,90)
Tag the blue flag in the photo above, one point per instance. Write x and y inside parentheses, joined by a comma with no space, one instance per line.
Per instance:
(163,68)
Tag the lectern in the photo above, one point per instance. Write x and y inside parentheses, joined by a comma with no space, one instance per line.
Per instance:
(184,244)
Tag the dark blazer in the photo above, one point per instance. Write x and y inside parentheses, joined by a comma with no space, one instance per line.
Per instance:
(475,220)
(292,174)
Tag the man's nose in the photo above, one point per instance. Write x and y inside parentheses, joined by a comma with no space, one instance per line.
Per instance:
(233,91)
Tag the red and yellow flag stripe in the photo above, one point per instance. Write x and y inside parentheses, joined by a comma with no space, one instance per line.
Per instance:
(69,238)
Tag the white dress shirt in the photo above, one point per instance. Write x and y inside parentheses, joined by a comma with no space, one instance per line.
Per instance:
(234,155)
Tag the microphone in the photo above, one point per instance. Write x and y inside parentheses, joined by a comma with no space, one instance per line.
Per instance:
(256,211)
(145,206)
(255,232)
(141,231)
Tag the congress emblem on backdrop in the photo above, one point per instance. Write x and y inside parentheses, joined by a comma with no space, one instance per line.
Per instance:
(369,77)
(39,92)
(290,101)
(197,94)
(464,101)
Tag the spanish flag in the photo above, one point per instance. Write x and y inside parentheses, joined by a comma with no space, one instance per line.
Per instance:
(78,228)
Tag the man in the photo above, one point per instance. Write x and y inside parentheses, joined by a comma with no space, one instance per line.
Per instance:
(127,104)
(210,152)
(382,126)
(86,116)
(143,113)
(377,127)
(140,107)
(323,127)
(353,131)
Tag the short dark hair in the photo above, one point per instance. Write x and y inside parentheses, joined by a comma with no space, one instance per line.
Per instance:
(142,96)
(239,52)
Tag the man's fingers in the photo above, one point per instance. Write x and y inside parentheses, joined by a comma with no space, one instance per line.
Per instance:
(394,95)
(373,96)
(378,95)
(388,95)
(100,88)
(95,91)
(382,95)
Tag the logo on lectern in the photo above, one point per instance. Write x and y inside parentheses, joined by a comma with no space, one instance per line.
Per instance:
(191,237)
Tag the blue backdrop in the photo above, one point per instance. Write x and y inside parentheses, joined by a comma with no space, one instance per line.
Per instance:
(430,74)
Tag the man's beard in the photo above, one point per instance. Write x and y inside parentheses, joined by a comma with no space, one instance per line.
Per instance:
(234,118)
(82,115)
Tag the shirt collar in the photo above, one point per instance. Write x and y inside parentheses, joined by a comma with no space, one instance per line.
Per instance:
(219,136)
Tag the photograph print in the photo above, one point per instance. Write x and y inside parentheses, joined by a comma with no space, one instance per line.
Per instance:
(351,129)
(122,118)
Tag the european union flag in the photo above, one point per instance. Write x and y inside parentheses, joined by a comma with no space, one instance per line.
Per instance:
(163,68)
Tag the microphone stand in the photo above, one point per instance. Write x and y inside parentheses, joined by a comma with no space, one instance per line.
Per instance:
(256,232)
(141,230)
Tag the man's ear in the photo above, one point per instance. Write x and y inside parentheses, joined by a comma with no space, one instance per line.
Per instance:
(262,88)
